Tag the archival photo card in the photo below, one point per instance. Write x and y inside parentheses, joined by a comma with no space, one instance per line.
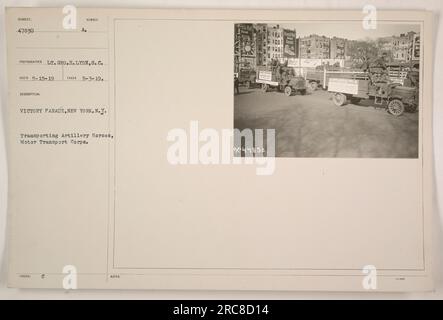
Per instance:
(121,135)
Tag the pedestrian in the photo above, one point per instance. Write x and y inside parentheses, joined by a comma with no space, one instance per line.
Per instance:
(236,85)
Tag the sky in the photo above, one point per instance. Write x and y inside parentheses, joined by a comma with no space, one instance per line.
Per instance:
(350,30)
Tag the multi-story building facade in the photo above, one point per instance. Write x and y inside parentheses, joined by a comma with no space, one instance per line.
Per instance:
(416,47)
(338,48)
(402,47)
(245,54)
(274,43)
(261,30)
(315,47)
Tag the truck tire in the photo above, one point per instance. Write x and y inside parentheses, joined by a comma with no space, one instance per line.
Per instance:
(288,91)
(313,85)
(396,107)
(339,99)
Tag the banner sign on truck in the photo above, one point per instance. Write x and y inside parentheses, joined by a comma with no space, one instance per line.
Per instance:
(349,86)
(265,75)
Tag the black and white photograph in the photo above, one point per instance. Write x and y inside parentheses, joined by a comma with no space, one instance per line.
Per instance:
(330,90)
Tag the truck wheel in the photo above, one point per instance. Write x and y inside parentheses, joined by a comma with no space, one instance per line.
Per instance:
(339,99)
(264,87)
(396,107)
(288,91)
(313,85)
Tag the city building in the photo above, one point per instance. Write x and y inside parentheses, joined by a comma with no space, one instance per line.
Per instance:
(261,30)
(402,47)
(338,48)
(271,43)
(416,47)
(275,43)
(260,44)
(315,47)
(245,46)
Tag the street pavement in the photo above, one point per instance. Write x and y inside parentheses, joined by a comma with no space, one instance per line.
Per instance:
(312,126)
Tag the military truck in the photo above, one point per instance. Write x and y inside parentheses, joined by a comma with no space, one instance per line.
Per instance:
(377,86)
(282,78)
(246,77)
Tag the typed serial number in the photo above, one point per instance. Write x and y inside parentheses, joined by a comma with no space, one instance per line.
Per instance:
(242,309)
